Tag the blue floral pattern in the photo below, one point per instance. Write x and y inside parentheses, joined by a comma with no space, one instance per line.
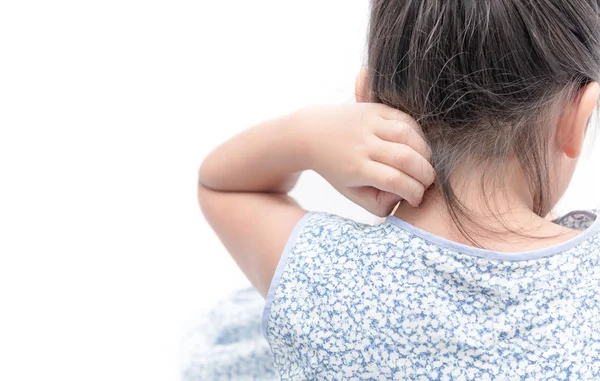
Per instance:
(361,302)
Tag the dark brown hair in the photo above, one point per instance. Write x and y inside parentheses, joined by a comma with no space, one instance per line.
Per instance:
(485,79)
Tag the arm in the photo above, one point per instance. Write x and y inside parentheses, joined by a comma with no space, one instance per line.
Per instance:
(242,193)
(363,150)
(267,158)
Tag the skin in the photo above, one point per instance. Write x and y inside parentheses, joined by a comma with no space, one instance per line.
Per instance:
(370,153)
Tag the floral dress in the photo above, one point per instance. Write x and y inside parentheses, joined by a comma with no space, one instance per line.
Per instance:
(351,301)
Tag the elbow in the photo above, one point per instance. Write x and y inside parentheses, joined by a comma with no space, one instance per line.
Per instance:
(213,176)
(204,174)
(202,195)
(204,191)
(208,201)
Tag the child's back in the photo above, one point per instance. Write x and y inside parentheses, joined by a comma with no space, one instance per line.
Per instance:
(391,301)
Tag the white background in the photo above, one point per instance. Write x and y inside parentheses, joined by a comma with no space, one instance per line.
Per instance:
(106,111)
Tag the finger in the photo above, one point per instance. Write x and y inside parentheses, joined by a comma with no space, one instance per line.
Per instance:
(375,201)
(389,179)
(405,159)
(405,132)
(390,113)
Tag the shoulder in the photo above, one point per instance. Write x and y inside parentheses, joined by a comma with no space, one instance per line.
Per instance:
(319,249)
(327,222)
(331,230)
(321,242)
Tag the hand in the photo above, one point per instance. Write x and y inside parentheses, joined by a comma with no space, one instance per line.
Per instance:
(373,154)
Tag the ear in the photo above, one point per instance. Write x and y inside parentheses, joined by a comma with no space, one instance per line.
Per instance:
(361,91)
(571,133)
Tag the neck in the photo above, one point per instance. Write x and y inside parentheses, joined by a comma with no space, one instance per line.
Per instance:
(502,219)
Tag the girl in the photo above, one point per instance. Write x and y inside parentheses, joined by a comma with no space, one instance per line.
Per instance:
(468,279)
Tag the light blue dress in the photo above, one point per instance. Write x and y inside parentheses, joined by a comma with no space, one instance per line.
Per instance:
(392,302)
